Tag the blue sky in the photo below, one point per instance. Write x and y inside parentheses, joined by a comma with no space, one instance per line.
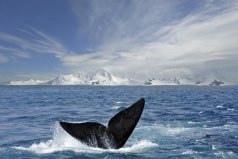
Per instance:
(40,39)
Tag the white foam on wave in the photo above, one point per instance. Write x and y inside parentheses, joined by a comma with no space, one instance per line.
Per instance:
(116,107)
(230,109)
(62,141)
(228,154)
(119,102)
(167,130)
(189,152)
(214,147)
(219,106)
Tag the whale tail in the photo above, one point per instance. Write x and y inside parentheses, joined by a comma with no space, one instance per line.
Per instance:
(115,135)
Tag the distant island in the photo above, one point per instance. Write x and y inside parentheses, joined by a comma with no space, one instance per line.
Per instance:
(103,77)
(99,77)
(182,81)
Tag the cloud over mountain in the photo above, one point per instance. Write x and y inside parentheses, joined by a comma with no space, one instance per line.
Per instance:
(137,39)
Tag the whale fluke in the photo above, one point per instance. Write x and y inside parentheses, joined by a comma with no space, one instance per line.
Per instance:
(91,133)
(115,135)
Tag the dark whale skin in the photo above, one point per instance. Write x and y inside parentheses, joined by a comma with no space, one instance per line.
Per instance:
(115,135)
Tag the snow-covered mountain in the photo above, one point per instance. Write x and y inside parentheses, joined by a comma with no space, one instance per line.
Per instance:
(209,80)
(173,81)
(28,82)
(99,77)
(102,77)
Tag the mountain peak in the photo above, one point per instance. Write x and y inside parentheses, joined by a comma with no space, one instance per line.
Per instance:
(98,77)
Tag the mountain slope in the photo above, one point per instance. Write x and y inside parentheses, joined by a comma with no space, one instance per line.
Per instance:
(99,77)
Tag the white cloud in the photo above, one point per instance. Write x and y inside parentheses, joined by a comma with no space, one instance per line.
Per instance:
(143,39)
(25,47)
(198,43)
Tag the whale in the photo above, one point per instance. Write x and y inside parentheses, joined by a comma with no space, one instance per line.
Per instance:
(114,136)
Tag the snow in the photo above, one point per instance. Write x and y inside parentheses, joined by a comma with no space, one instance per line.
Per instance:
(28,82)
(103,77)
(209,80)
(99,77)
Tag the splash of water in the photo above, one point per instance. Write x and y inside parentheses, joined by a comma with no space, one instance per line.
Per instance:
(62,141)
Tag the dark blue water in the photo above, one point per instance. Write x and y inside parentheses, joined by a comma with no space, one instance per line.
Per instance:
(177,122)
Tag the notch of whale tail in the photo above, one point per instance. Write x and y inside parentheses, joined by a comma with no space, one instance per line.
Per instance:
(115,135)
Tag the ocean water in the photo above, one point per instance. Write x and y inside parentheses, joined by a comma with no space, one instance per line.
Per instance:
(177,122)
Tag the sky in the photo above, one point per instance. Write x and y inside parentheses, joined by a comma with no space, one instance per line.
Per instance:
(40,39)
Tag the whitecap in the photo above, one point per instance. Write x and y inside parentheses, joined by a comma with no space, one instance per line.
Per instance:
(220,154)
(119,102)
(189,152)
(214,147)
(116,107)
(228,154)
(219,106)
(231,109)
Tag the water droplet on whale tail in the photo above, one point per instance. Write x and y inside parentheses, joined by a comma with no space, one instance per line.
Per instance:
(115,135)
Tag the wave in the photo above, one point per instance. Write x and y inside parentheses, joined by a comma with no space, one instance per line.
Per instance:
(62,141)
(116,107)
(144,138)
(160,131)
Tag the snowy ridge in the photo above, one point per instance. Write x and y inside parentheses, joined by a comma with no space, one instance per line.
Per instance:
(209,80)
(100,77)
(28,82)
(161,81)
